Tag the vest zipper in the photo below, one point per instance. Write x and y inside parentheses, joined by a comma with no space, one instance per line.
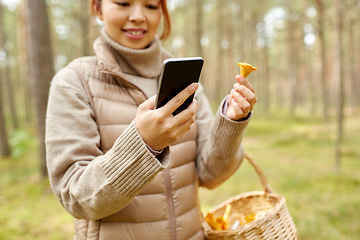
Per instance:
(170,204)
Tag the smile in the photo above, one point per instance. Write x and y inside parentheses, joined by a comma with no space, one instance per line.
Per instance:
(137,33)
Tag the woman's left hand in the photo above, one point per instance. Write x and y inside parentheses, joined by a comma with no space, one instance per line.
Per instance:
(241,100)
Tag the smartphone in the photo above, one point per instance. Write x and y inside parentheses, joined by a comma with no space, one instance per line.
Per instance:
(176,75)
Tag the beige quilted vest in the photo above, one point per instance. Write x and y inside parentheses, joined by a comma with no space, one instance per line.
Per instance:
(167,207)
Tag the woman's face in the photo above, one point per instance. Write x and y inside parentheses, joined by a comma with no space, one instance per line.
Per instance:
(132,23)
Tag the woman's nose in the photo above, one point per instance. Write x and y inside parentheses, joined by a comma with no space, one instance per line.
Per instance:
(136,14)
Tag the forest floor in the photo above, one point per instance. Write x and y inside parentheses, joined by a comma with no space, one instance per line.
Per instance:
(297,156)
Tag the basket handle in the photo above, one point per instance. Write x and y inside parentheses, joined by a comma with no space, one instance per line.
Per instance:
(260,173)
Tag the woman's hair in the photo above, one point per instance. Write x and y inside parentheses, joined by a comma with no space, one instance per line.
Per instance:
(96,4)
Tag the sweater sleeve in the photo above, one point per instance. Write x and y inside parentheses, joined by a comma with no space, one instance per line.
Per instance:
(87,182)
(220,151)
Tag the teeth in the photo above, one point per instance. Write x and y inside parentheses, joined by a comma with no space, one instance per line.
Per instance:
(135,33)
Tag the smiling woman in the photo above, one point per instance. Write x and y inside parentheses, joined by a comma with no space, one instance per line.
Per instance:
(133,24)
(123,168)
(142,10)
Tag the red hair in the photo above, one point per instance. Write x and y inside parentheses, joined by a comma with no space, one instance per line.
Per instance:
(96,4)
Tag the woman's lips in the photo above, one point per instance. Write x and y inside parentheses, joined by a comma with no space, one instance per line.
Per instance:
(134,34)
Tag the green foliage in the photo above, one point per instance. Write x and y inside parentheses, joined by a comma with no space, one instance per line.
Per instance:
(19,141)
(29,209)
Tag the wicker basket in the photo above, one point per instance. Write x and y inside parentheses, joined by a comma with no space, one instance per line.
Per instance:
(276,224)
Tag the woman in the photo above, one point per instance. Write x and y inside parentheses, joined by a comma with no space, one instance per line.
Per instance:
(123,169)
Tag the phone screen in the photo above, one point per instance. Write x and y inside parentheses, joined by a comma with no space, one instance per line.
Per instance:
(177,74)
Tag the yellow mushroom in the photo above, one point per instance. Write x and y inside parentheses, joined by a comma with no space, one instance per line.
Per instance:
(246,69)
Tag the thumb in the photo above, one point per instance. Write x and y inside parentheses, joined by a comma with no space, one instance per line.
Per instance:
(148,104)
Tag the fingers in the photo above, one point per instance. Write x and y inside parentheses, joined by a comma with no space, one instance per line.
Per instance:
(246,93)
(185,126)
(242,81)
(187,113)
(174,127)
(240,101)
(180,98)
(182,122)
(237,110)
(158,127)
(148,104)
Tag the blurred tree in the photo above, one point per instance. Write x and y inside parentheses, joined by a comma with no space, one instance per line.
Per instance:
(24,88)
(199,26)
(263,59)
(7,77)
(292,57)
(227,46)
(339,76)
(40,62)
(322,43)
(241,30)
(247,31)
(353,19)
(85,21)
(4,143)
(357,64)
(219,51)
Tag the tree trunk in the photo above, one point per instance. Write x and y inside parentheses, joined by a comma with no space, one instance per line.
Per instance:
(4,143)
(247,31)
(338,61)
(229,60)
(352,65)
(357,64)
(358,60)
(22,56)
(264,51)
(183,31)
(199,27)
(10,92)
(241,31)
(311,86)
(199,31)
(266,92)
(292,65)
(41,69)
(321,34)
(7,77)
(220,51)
(85,21)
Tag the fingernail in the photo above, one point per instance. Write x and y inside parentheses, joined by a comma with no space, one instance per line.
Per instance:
(195,86)
(242,80)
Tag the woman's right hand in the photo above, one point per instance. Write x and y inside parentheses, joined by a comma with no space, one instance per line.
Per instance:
(158,127)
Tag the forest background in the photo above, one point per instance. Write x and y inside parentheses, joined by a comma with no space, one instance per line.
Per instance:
(305,130)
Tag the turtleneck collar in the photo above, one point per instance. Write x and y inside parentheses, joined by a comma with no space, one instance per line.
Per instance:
(145,62)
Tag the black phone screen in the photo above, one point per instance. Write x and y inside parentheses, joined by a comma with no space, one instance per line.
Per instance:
(177,74)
